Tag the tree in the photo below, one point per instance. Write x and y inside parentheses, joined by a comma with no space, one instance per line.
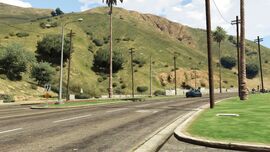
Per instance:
(110,4)
(228,62)
(13,61)
(243,83)
(49,49)
(101,61)
(219,35)
(42,73)
(58,11)
(252,70)
(53,13)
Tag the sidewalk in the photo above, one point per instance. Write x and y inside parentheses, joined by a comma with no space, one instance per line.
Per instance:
(181,134)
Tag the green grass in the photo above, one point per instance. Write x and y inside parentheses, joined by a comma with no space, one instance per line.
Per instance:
(252,125)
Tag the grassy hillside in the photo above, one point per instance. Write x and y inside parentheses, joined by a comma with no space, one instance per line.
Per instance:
(150,36)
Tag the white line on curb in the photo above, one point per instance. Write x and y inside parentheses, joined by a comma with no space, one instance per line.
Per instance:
(10,130)
(73,118)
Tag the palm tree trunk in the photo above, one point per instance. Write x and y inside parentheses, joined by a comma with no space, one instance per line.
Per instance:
(243,85)
(111,68)
(220,83)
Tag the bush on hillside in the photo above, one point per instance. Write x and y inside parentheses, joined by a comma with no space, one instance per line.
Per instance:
(42,73)
(142,89)
(7,98)
(101,61)
(252,70)
(159,93)
(139,61)
(98,42)
(13,62)
(49,49)
(228,62)
(22,34)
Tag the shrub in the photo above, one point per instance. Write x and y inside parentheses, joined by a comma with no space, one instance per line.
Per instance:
(159,93)
(142,89)
(98,42)
(114,84)
(22,34)
(228,62)
(140,61)
(100,79)
(54,24)
(101,61)
(252,70)
(118,91)
(82,96)
(42,73)
(13,62)
(126,39)
(42,25)
(7,98)
(11,34)
(123,86)
(49,49)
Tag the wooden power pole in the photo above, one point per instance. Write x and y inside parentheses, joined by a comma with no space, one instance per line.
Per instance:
(150,76)
(132,71)
(259,40)
(210,58)
(175,75)
(237,22)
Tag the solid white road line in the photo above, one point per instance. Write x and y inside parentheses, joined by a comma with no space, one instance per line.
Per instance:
(116,110)
(10,130)
(73,118)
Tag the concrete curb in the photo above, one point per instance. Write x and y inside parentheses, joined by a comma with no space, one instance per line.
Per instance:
(71,107)
(155,141)
(181,135)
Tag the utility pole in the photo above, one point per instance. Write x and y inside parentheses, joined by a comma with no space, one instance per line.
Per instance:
(237,22)
(258,40)
(195,73)
(150,76)
(69,65)
(132,71)
(210,58)
(175,76)
(243,84)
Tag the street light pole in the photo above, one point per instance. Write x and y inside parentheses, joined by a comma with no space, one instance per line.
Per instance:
(62,60)
(61,67)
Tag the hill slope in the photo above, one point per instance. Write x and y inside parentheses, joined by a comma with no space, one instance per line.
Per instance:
(148,34)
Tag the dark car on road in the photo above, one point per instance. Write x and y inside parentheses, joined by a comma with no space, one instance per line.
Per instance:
(194,93)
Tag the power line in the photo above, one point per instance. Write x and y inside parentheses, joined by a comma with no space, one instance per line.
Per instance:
(221,13)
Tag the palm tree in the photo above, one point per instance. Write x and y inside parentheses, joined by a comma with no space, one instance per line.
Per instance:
(243,82)
(219,35)
(110,4)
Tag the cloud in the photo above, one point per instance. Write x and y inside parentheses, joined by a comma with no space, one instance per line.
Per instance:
(19,3)
(192,12)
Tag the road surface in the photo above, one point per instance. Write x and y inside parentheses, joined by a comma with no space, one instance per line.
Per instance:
(104,128)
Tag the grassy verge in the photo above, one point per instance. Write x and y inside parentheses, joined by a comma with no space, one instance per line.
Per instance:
(252,126)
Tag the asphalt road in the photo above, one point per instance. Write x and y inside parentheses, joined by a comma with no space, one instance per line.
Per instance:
(104,128)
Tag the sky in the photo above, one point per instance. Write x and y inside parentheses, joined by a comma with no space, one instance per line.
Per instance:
(187,12)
